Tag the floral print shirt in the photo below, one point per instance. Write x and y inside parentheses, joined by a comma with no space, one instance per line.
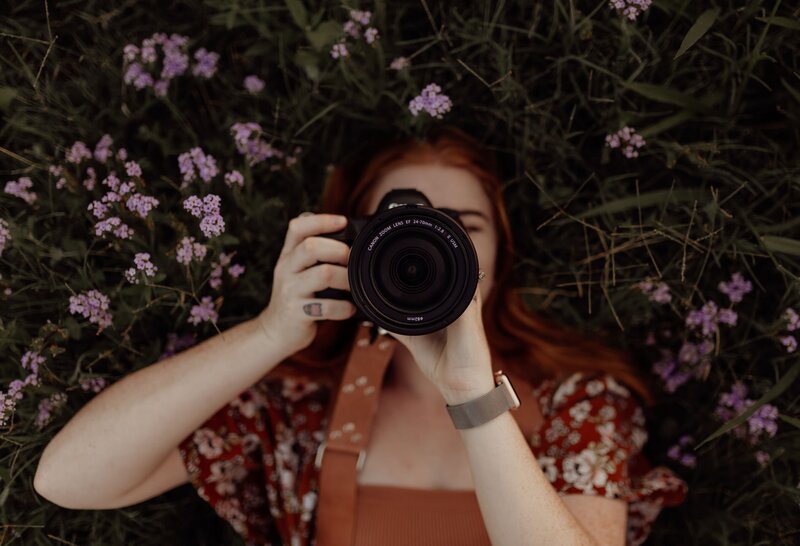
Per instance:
(253,460)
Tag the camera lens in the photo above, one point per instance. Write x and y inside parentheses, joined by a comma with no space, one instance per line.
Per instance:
(412,270)
(415,275)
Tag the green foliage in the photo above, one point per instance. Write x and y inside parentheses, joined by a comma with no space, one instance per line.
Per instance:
(712,87)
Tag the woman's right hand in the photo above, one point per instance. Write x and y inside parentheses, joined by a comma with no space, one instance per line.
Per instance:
(290,318)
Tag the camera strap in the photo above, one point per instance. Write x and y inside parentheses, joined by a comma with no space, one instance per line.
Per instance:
(341,454)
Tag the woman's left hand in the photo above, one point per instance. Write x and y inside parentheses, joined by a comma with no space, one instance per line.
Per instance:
(456,359)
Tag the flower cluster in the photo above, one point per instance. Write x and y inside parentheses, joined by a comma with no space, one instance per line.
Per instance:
(352,29)
(234,177)
(5,235)
(216,269)
(657,292)
(630,8)
(677,453)
(205,164)
(792,320)
(399,63)
(118,192)
(94,384)
(176,344)
(144,67)
(8,400)
(203,312)
(47,406)
(431,101)
(207,209)
(142,262)
(93,305)
(247,137)
(189,250)
(626,139)
(763,422)
(692,360)
(253,84)
(19,188)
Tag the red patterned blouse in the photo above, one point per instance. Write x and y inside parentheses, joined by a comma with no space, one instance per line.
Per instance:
(253,460)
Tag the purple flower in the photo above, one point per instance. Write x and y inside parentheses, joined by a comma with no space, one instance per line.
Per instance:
(205,165)
(142,262)
(92,305)
(115,225)
(658,293)
(234,177)
(19,188)
(339,49)
(133,168)
(626,139)
(95,384)
(203,312)
(211,223)
(431,101)
(141,204)
(47,406)
(736,287)
(352,29)
(371,34)
(792,319)
(789,342)
(762,457)
(206,63)
(103,148)
(189,250)
(253,84)
(399,63)
(249,143)
(709,316)
(630,8)
(762,422)
(176,344)
(78,152)
(361,17)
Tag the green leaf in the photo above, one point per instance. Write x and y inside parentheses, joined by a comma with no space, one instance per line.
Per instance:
(649,199)
(298,12)
(776,390)
(308,62)
(794,421)
(324,34)
(777,243)
(779,21)
(660,93)
(7,95)
(699,28)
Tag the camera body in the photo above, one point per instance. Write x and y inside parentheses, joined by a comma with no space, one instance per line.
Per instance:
(412,269)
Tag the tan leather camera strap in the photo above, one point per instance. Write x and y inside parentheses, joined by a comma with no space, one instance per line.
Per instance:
(341,454)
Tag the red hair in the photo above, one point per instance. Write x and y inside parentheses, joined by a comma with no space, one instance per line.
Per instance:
(520,340)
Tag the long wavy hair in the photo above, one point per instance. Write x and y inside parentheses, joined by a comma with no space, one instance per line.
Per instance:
(520,340)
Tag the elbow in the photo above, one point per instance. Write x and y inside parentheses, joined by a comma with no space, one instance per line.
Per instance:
(45,487)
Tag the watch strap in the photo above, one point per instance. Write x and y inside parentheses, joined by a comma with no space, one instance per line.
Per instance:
(486,407)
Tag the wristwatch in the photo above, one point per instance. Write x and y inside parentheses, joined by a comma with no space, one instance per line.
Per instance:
(485,408)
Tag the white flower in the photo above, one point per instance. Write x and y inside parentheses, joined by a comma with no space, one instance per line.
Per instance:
(585,470)
(580,411)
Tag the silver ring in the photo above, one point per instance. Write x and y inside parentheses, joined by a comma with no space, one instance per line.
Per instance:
(481,275)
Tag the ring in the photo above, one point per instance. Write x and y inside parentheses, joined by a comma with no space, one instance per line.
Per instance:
(306,213)
(481,274)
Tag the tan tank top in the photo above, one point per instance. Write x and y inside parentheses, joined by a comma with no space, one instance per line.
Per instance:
(397,516)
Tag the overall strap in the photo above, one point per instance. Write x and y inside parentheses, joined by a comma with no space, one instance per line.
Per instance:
(341,454)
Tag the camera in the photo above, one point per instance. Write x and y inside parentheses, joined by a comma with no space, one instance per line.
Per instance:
(412,269)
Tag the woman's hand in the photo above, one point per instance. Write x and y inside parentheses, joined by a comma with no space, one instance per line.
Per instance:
(456,359)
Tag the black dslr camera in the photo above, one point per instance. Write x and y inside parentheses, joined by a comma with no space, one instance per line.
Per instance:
(412,268)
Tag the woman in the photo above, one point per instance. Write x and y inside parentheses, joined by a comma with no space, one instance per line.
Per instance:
(564,468)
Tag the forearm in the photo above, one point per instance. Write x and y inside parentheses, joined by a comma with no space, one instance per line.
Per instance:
(119,438)
(518,504)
